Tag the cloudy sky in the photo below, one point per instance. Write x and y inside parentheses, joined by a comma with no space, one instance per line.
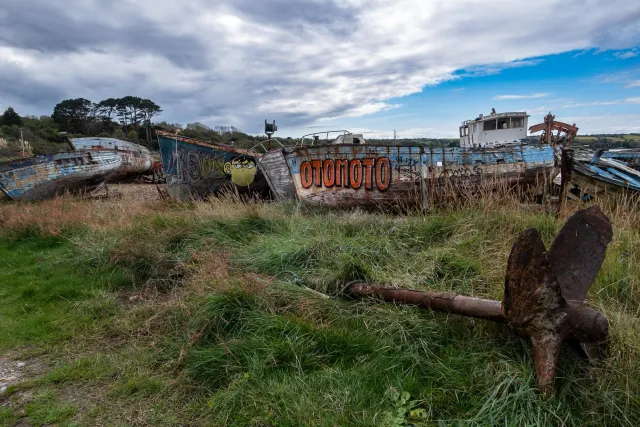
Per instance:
(419,67)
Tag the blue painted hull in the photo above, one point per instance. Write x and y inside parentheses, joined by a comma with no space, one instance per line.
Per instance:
(353,175)
(195,169)
(136,159)
(46,176)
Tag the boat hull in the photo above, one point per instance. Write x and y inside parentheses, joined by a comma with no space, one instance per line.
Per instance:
(195,169)
(357,175)
(43,177)
(136,159)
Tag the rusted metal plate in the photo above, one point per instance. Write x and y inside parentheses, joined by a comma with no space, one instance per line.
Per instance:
(533,304)
(578,252)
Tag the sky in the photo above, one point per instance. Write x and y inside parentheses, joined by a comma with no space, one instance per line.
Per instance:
(419,67)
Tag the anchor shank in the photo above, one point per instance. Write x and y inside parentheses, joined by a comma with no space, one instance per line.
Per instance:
(587,327)
(437,301)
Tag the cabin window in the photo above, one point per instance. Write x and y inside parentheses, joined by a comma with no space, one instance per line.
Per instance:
(490,125)
(517,122)
(461,131)
(356,140)
(475,127)
(466,130)
(503,124)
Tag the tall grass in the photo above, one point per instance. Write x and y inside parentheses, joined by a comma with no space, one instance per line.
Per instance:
(256,347)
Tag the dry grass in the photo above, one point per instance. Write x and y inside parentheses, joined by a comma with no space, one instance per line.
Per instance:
(279,354)
(51,217)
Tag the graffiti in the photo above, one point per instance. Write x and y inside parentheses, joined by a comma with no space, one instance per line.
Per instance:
(463,172)
(355,173)
(193,166)
(242,170)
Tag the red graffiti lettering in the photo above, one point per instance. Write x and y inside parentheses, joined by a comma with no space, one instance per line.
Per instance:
(368,172)
(342,172)
(328,173)
(306,174)
(317,172)
(383,173)
(355,173)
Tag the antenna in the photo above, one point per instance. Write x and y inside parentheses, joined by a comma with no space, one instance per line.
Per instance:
(394,135)
(270,129)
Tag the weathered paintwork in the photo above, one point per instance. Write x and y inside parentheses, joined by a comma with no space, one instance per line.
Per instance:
(45,176)
(136,159)
(606,174)
(350,175)
(197,169)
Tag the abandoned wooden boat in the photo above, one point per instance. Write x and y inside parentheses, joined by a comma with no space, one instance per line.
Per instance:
(46,176)
(136,159)
(198,169)
(605,174)
(350,172)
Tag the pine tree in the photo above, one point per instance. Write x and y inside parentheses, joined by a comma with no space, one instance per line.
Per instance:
(10,118)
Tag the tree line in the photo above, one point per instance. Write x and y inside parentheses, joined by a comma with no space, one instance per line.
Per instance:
(82,116)
(129,118)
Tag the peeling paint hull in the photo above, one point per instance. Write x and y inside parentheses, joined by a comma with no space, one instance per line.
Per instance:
(196,169)
(359,175)
(136,159)
(46,176)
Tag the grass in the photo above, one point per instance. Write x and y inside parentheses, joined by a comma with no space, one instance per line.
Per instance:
(39,285)
(204,314)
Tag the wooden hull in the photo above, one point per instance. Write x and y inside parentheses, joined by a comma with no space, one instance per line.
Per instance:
(196,169)
(358,175)
(136,159)
(46,176)
(587,182)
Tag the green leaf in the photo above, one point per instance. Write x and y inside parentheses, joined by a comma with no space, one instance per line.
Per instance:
(418,413)
(405,397)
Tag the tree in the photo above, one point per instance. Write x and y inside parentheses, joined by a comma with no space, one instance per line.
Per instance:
(73,115)
(148,110)
(10,118)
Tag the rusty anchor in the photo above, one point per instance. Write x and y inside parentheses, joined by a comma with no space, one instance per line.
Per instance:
(543,296)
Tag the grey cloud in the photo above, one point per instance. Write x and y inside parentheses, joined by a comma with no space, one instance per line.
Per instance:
(297,15)
(291,60)
(49,27)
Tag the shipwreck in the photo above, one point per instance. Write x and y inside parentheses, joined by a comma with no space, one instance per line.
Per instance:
(46,176)
(346,170)
(93,162)
(136,159)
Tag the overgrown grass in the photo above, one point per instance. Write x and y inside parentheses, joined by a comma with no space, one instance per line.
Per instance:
(44,301)
(203,314)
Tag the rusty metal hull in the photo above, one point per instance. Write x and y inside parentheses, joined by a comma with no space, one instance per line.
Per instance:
(136,159)
(197,169)
(356,175)
(42,177)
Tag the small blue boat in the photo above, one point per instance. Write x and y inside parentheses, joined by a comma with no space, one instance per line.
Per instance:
(46,176)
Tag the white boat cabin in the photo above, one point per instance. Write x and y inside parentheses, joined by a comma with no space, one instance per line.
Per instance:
(494,129)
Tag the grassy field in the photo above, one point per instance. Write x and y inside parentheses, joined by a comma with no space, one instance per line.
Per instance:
(135,312)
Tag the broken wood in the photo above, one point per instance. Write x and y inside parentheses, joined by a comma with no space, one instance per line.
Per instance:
(544,293)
